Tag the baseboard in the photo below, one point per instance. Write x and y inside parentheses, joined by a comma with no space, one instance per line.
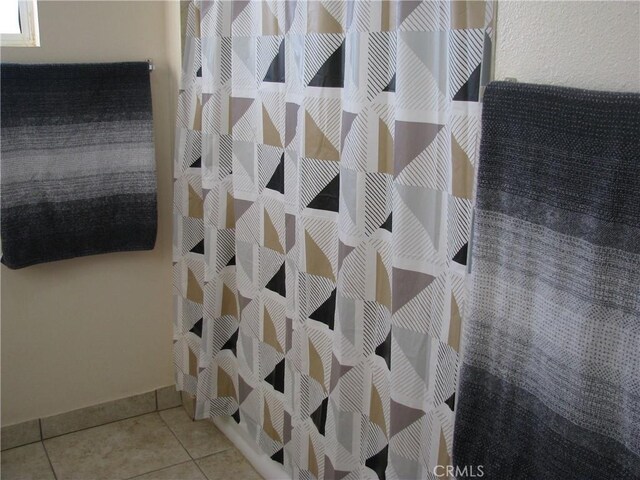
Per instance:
(267,468)
(42,428)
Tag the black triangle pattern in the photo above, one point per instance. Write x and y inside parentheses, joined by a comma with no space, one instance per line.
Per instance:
(387,225)
(319,417)
(278,456)
(461,256)
(331,73)
(197,328)
(384,350)
(197,163)
(391,87)
(278,282)
(378,463)
(329,197)
(275,72)
(232,261)
(276,377)
(451,401)
(199,72)
(199,248)
(277,179)
(232,343)
(470,91)
(326,313)
(236,416)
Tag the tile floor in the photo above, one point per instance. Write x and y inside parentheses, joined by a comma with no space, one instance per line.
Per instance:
(164,445)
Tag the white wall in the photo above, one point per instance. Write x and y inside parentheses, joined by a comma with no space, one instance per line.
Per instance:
(594,45)
(88,330)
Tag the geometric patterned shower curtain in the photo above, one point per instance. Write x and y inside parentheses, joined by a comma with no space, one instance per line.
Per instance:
(324,171)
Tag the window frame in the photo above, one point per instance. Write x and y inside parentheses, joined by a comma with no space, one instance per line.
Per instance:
(30,30)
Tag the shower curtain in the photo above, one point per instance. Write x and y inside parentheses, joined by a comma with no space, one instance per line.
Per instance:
(324,170)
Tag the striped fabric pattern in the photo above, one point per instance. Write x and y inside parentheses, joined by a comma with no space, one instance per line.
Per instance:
(78,163)
(550,375)
(323,183)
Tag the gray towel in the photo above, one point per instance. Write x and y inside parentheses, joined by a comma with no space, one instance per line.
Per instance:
(550,380)
(78,167)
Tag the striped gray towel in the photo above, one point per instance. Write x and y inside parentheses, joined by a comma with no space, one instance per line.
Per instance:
(550,380)
(78,164)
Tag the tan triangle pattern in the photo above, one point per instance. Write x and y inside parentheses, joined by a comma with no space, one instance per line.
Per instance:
(193,364)
(230,220)
(316,143)
(319,20)
(270,134)
(271,238)
(455,325)
(197,118)
(268,427)
(317,261)
(385,148)
(196,204)
(316,368)
(229,302)
(226,388)
(194,290)
(270,337)
(467,14)
(463,173)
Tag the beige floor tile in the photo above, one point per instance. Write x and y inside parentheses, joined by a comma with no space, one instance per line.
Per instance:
(200,438)
(227,465)
(184,471)
(118,450)
(26,463)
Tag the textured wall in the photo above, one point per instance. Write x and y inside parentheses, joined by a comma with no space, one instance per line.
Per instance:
(83,331)
(593,45)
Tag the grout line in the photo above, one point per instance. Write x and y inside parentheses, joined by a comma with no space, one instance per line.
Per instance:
(40,426)
(18,446)
(102,424)
(155,394)
(46,452)
(201,471)
(176,437)
(195,459)
(159,469)
(191,459)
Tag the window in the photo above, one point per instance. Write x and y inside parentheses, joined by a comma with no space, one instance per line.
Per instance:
(19,23)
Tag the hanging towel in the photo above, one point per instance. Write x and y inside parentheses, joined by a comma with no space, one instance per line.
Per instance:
(550,379)
(78,168)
